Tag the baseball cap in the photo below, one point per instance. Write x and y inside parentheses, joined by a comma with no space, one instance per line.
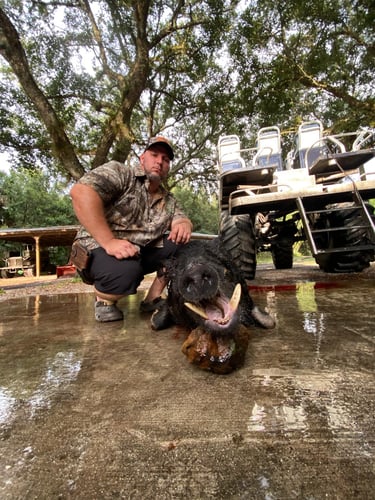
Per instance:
(161,141)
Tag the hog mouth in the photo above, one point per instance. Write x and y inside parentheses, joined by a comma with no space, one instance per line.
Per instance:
(219,312)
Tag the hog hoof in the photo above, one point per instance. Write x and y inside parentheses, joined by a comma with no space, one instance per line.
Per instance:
(161,318)
(262,318)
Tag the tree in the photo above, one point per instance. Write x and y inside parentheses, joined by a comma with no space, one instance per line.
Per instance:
(301,60)
(95,78)
(202,211)
(83,82)
(33,199)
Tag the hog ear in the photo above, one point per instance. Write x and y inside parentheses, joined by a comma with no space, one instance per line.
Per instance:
(168,268)
(228,263)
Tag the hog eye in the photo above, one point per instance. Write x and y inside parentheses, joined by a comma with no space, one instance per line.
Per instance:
(188,285)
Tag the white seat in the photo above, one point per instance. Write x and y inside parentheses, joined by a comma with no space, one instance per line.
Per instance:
(309,143)
(268,148)
(364,139)
(229,148)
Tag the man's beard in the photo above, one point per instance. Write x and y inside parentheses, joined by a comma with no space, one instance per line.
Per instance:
(153,176)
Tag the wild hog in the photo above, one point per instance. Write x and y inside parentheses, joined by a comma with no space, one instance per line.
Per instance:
(208,296)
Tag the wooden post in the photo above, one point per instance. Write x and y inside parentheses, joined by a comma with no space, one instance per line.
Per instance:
(37,256)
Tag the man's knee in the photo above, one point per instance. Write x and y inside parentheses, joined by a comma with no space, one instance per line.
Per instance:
(114,276)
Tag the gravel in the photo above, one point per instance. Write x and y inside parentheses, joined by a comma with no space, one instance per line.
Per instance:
(49,285)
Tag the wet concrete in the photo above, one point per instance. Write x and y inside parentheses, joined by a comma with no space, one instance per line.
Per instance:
(91,411)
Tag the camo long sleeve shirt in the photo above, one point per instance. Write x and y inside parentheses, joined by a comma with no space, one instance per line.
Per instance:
(130,211)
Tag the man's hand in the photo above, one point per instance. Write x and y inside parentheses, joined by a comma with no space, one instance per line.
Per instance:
(121,249)
(180,231)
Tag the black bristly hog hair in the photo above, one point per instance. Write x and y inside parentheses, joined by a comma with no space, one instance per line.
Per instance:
(202,275)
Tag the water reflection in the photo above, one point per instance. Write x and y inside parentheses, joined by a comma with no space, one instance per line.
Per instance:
(303,379)
(7,403)
(59,371)
(313,320)
(313,403)
(42,352)
(36,315)
(292,389)
(264,484)
(277,418)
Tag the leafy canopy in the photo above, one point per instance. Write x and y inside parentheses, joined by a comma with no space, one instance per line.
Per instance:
(33,199)
(86,81)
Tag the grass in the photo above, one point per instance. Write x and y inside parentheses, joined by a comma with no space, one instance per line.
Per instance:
(266,258)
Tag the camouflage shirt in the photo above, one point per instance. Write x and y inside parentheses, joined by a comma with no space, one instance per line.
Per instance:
(131,212)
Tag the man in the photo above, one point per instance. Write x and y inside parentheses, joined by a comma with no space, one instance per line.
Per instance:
(125,215)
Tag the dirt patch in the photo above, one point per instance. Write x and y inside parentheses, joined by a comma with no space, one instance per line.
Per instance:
(49,285)
(53,287)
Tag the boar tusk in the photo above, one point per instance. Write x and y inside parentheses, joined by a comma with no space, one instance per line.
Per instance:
(236,297)
(196,309)
(233,304)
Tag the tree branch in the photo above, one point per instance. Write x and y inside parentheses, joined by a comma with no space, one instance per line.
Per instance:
(310,81)
(12,51)
(99,41)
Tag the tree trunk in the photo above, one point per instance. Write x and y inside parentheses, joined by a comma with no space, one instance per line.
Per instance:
(12,50)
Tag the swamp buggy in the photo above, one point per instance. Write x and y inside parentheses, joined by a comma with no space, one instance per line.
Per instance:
(22,264)
(320,194)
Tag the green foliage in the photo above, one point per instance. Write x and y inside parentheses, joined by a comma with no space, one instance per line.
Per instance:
(96,78)
(306,60)
(113,74)
(203,212)
(33,199)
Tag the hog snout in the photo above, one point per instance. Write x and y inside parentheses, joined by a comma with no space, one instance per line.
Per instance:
(198,282)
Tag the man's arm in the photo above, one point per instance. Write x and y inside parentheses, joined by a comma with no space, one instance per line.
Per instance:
(89,209)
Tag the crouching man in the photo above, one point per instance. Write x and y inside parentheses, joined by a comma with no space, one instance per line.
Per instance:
(130,224)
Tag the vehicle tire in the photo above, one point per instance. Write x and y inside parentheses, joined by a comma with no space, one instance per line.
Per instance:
(6,274)
(282,254)
(282,248)
(238,237)
(351,261)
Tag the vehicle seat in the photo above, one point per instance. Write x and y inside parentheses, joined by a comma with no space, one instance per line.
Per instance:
(309,144)
(229,148)
(268,148)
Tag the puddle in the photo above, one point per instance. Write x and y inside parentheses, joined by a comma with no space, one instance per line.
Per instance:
(97,408)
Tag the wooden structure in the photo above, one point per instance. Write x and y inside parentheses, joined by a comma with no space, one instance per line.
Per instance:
(41,237)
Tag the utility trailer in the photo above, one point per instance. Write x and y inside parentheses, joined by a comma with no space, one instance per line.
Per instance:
(320,194)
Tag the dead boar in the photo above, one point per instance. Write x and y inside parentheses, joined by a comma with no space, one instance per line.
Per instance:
(208,296)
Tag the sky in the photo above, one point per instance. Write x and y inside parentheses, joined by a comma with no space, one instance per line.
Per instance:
(4,165)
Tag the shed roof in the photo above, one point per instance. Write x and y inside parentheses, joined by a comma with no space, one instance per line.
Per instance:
(48,236)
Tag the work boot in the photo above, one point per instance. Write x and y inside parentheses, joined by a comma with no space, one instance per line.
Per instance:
(151,305)
(107,311)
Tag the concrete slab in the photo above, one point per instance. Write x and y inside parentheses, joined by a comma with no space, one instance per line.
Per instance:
(102,411)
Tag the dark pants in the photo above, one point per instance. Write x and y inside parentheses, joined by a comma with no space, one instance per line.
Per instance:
(123,277)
